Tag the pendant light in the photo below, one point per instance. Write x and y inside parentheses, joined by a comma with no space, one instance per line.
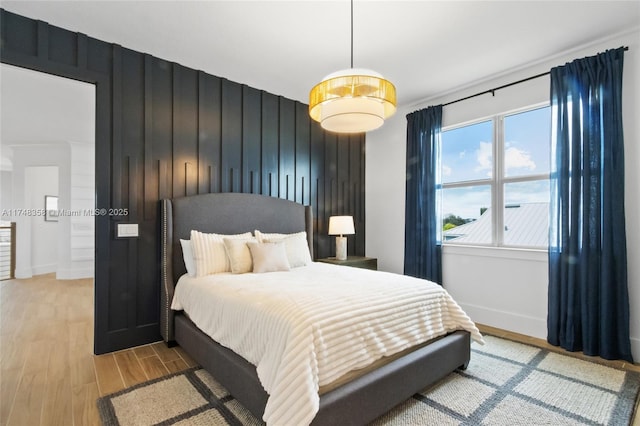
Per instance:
(354,100)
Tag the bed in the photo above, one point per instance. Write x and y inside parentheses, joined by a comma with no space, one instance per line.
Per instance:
(366,396)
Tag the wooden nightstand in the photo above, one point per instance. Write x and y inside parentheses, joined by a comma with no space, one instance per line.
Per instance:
(354,261)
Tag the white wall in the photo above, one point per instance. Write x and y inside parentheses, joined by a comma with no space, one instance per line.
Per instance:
(499,287)
(5,193)
(81,227)
(75,191)
(38,182)
(27,156)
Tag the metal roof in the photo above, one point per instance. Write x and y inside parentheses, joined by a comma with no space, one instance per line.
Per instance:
(525,224)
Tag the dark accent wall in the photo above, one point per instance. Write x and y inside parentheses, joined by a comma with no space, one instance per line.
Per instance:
(165,131)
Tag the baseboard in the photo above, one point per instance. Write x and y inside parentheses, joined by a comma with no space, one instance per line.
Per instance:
(44,269)
(635,349)
(74,274)
(529,326)
(23,273)
(510,321)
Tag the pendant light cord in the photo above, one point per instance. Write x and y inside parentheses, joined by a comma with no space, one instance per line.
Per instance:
(352,34)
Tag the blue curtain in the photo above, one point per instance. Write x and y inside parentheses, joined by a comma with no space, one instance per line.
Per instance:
(588,297)
(422,239)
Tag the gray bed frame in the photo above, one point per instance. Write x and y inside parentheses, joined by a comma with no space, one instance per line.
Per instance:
(354,403)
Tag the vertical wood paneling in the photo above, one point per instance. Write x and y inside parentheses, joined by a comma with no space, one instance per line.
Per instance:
(118,291)
(103,261)
(165,131)
(164,177)
(132,301)
(270,147)
(116,141)
(132,120)
(330,183)
(161,113)
(178,183)
(251,141)
(356,183)
(302,152)
(231,156)
(344,191)
(287,142)
(321,247)
(185,131)
(189,122)
(209,142)
(150,184)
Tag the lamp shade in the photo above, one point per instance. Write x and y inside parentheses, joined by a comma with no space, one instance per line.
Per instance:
(352,101)
(341,225)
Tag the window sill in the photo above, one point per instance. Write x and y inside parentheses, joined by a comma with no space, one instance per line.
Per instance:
(530,254)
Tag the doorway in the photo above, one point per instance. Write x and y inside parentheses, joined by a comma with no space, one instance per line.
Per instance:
(48,123)
(47,154)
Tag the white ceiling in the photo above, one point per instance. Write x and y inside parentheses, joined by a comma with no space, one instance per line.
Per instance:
(37,107)
(426,48)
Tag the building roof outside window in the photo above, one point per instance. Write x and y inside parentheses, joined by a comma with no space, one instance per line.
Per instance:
(526,224)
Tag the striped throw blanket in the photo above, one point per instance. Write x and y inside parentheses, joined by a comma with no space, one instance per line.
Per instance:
(307,327)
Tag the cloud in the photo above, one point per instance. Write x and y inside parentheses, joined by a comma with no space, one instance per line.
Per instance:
(446,170)
(466,202)
(514,158)
(484,157)
(518,159)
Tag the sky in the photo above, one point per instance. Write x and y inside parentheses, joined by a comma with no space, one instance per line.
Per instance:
(467,154)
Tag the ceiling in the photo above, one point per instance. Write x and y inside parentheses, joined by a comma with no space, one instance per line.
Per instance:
(37,107)
(426,48)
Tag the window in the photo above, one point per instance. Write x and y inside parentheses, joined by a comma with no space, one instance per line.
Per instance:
(498,165)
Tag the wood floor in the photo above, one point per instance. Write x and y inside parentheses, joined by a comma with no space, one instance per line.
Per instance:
(49,375)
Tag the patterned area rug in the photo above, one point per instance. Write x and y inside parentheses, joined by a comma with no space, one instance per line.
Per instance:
(507,383)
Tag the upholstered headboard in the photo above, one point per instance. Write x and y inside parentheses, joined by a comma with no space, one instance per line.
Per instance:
(222,213)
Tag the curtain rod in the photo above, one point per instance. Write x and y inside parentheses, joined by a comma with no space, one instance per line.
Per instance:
(492,91)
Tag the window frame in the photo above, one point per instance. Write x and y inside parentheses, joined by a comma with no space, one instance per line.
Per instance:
(498,180)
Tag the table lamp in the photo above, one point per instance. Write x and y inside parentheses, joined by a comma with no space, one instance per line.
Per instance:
(341,225)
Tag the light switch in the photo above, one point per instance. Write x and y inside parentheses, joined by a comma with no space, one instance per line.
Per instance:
(127,230)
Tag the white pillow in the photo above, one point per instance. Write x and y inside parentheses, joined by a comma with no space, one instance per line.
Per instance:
(187,256)
(268,257)
(295,245)
(209,253)
(239,254)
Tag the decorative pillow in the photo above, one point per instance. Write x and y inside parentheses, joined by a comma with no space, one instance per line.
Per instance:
(268,257)
(239,254)
(296,246)
(209,253)
(187,256)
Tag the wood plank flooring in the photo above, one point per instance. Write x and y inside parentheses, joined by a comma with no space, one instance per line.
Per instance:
(49,375)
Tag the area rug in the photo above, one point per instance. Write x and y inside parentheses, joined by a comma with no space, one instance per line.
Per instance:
(506,383)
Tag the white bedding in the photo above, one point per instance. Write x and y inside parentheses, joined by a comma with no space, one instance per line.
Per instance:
(306,327)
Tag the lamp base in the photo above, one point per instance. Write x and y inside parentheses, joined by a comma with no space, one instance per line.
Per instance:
(341,248)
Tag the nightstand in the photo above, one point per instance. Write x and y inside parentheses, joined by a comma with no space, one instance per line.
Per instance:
(354,261)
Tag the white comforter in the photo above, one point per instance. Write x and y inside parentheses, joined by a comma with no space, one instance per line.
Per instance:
(306,327)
